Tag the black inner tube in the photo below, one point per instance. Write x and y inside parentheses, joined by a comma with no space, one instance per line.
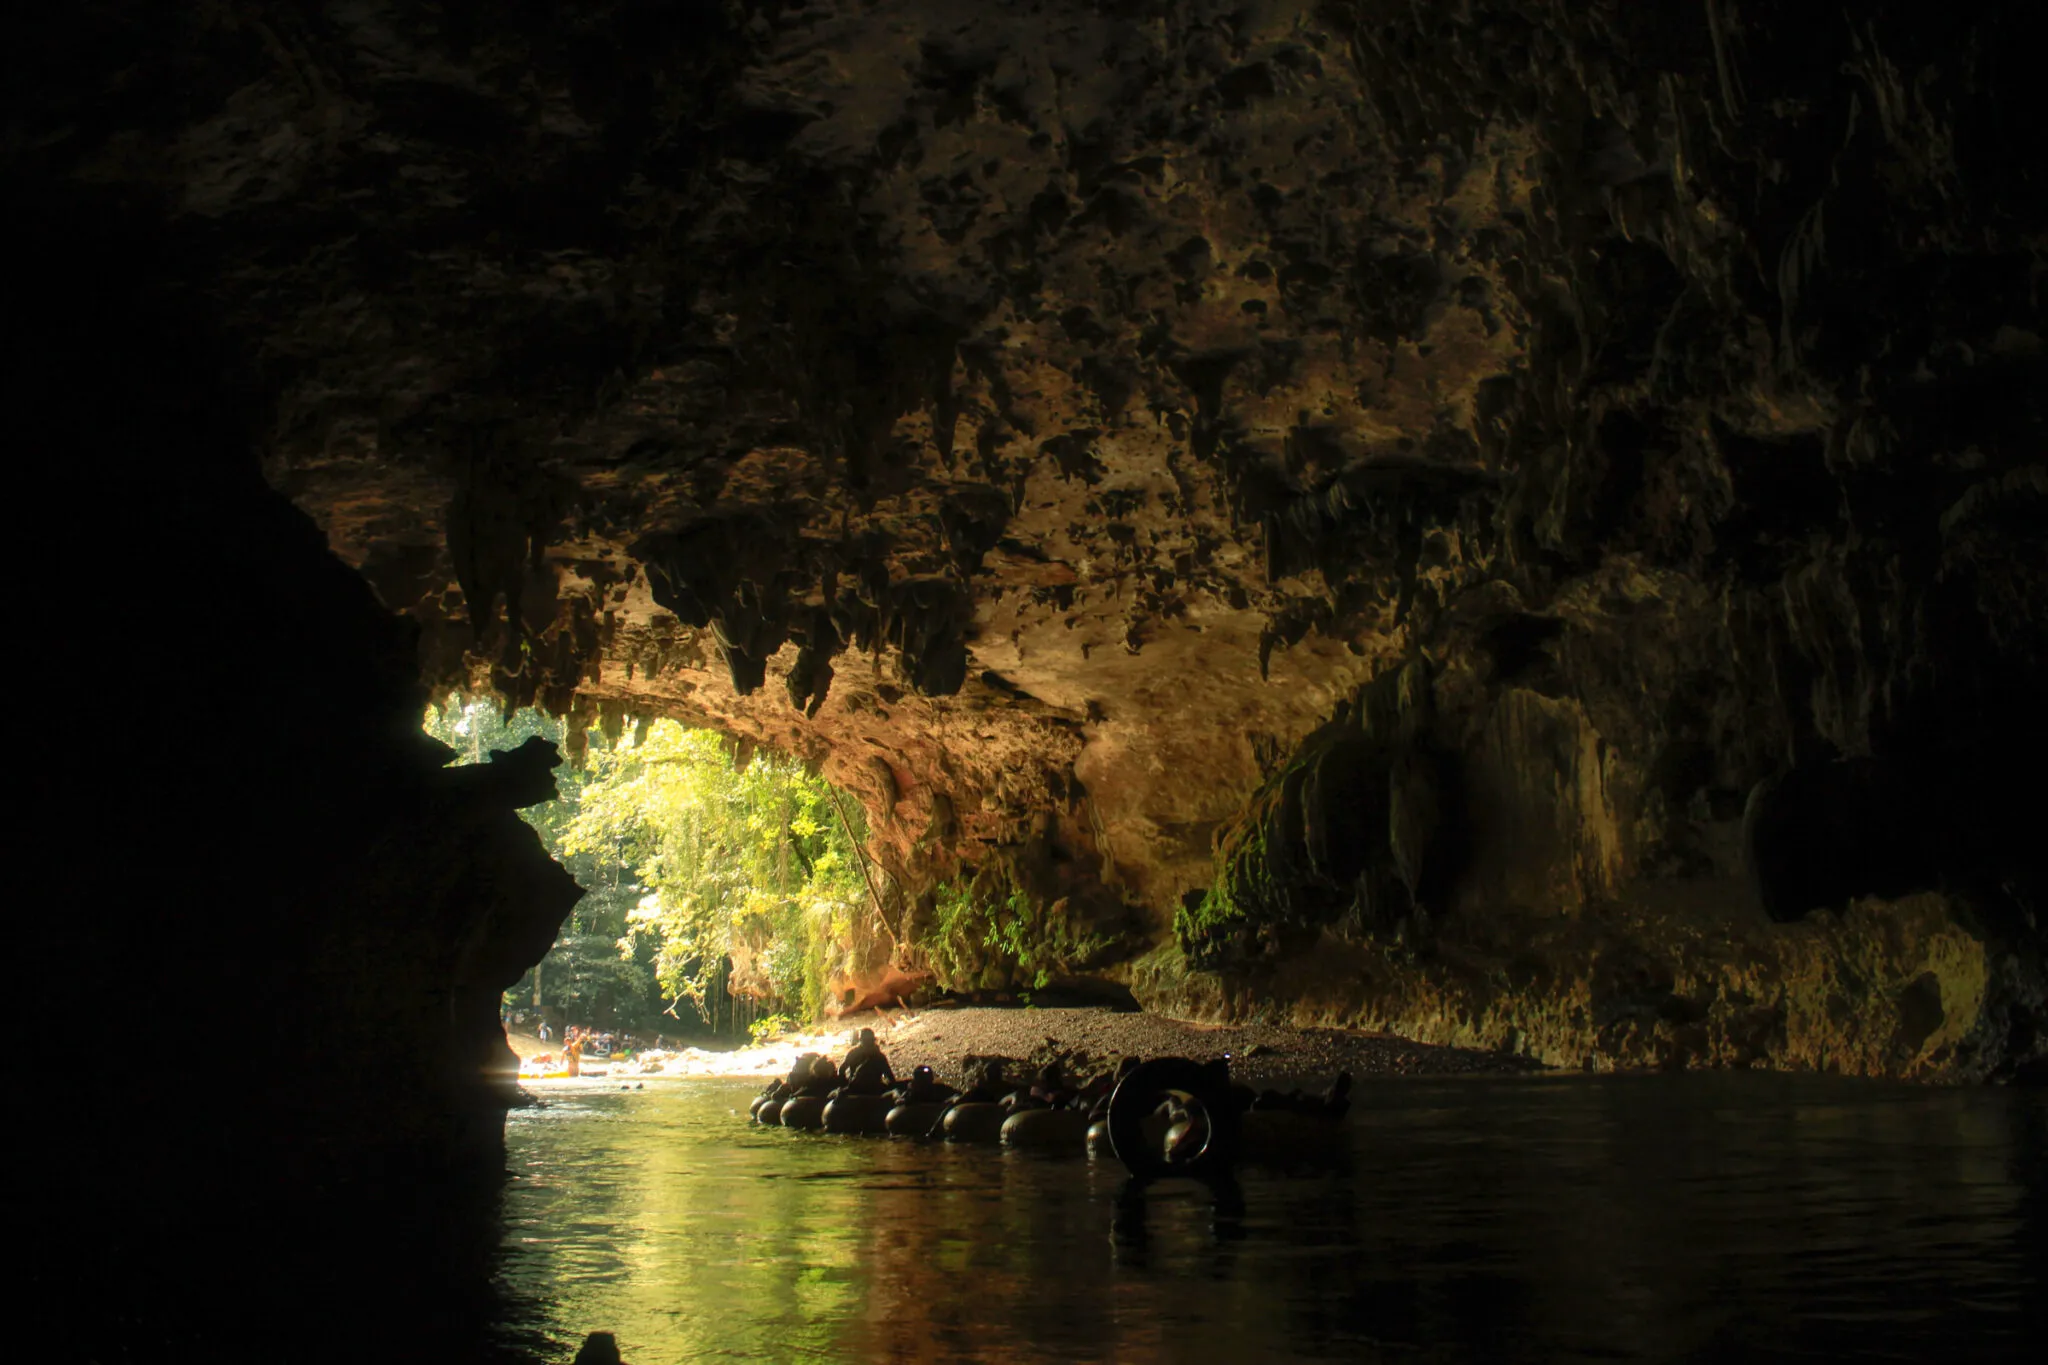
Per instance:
(1140,1092)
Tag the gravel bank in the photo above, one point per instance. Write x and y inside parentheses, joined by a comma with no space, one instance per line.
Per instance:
(1262,1054)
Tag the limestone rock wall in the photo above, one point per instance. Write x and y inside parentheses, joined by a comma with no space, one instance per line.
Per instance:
(1881,988)
(1053,420)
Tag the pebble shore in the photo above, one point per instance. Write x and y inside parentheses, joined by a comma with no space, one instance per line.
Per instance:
(1262,1054)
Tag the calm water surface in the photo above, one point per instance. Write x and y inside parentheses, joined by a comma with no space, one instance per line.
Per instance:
(1725,1217)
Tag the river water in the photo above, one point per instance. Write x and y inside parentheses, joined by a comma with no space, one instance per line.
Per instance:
(1700,1217)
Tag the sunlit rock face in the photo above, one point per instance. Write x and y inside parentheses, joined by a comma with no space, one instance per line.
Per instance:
(1339,503)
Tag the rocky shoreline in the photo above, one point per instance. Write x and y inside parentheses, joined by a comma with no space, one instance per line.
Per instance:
(1263,1054)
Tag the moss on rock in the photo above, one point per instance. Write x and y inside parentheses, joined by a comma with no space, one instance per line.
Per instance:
(1346,831)
(1906,989)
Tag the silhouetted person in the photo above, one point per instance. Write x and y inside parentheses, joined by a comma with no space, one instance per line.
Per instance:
(1243,1095)
(925,1087)
(866,1069)
(1098,1091)
(1051,1088)
(799,1076)
(822,1080)
(989,1085)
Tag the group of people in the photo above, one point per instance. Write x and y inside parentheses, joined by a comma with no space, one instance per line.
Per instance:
(607,1043)
(592,1041)
(579,1041)
(865,1070)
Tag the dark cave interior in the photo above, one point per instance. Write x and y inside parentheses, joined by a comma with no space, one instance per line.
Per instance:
(1626,494)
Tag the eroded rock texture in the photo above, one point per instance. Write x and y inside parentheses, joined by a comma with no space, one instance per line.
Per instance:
(1341,504)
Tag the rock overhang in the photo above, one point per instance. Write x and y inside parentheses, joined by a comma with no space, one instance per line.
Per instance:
(1068,411)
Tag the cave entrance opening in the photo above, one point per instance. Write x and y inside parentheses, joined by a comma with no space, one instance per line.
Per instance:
(725,888)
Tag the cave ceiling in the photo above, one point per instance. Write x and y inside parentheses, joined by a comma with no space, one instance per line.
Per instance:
(1052,334)
(1057,412)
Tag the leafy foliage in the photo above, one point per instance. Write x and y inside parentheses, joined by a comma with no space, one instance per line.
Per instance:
(768,1026)
(708,882)
(756,865)
(700,878)
(990,934)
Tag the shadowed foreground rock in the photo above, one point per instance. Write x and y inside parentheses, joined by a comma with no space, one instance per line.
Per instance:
(250,848)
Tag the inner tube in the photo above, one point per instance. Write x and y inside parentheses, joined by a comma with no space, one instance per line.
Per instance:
(857,1114)
(975,1122)
(914,1120)
(1137,1096)
(1055,1128)
(768,1111)
(805,1111)
(1098,1139)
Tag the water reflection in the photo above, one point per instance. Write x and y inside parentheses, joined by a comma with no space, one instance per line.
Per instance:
(1661,1218)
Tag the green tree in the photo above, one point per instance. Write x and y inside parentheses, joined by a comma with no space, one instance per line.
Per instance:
(754,867)
(704,881)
